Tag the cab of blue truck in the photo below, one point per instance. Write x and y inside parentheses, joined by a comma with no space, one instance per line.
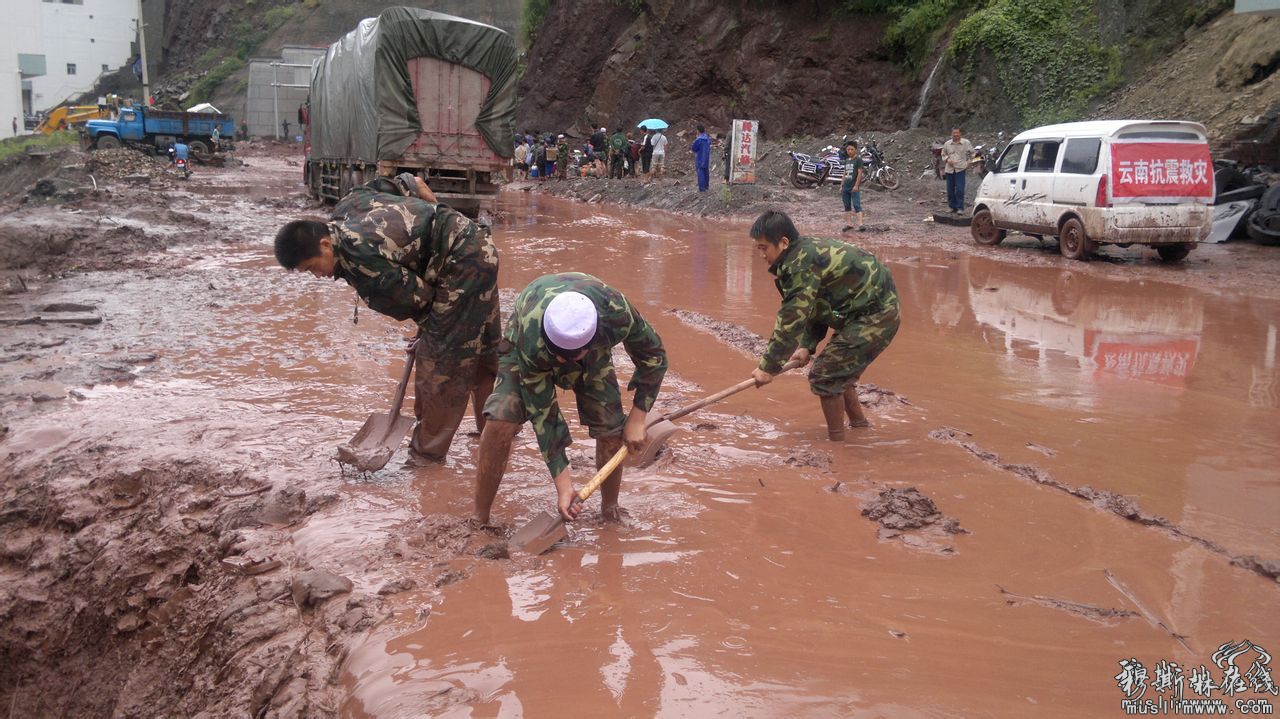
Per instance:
(157,129)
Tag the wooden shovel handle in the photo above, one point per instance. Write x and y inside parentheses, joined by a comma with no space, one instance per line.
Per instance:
(404,381)
(602,474)
(744,384)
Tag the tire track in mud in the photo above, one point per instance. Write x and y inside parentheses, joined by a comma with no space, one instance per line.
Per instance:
(1103,615)
(1116,504)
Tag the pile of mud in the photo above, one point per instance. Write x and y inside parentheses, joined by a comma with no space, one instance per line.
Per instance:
(131,165)
(164,590)
(899,509)
(912,518)
(72,245)
(20,173)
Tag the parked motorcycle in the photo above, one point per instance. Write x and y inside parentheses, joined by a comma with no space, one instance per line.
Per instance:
(811,171)
(875,169)
(985,156)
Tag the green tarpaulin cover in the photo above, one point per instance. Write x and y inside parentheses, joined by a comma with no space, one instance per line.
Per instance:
(362,104)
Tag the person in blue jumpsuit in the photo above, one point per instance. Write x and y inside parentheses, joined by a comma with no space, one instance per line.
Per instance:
(701,150)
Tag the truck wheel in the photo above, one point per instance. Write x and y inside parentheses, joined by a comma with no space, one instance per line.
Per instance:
(1072,241)
(107,142)
(199,148)
(984,230)
(1173,253)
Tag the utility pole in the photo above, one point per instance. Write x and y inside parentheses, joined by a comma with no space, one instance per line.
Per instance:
(142,49)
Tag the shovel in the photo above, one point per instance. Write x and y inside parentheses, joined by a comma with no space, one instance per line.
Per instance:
(380,437)
(662,428)
(546,529)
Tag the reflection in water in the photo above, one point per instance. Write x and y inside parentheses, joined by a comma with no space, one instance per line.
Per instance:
(1107,329)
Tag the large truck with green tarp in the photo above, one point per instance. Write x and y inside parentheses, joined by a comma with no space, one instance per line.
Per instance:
(413,91)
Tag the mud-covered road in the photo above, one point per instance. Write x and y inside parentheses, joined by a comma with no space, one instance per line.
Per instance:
(1070,465)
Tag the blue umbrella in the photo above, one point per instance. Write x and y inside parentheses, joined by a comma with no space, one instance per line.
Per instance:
(652,123)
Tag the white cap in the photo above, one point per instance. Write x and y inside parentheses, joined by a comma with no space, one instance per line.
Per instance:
(570,320)
(602,129)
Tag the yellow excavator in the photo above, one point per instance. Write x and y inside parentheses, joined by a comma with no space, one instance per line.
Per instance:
(70,116)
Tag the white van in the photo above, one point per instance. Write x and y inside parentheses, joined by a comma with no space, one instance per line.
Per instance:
(1122,182)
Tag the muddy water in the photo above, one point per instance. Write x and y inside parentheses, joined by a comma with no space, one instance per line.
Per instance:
(744,585)
(745,582)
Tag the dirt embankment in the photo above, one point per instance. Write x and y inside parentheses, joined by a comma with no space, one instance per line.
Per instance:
(163,589)
(1225,76)
(792,66)
(810,68)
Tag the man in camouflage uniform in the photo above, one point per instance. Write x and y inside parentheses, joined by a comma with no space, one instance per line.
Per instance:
(410,257)
(532,366)
(826,285)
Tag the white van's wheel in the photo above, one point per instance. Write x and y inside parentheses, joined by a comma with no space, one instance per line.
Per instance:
(984,230)
(1072,241)
(1173,253)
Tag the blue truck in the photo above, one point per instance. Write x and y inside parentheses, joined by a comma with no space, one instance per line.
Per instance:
(156,129)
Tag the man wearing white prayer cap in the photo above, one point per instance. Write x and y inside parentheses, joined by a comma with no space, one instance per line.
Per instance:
(562,333)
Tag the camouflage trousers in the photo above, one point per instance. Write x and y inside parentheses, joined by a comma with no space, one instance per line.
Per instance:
(597,394)
(852,349)
(457,356)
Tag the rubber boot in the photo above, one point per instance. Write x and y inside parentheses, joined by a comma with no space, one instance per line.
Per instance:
(833,411)
(853,408)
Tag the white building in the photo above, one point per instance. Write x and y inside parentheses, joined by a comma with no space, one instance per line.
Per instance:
(51,50)
(277,87)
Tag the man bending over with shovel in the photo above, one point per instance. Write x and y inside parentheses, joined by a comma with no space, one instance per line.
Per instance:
(826,285)
(561,334)
(409,257)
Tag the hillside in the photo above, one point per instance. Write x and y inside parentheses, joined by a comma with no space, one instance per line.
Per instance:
(820,68)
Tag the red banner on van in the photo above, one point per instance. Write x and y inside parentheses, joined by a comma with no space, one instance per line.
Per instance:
(1161,169)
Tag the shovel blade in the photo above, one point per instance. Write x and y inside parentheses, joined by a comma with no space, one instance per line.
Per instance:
(539,534)
(375,442)
(658,432)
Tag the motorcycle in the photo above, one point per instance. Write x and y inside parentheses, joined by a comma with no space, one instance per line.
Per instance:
(985,156)
(811,171)
(183,167)
(875,169)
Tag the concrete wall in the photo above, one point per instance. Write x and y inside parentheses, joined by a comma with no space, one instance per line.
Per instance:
(263,98)
(19,34)
(94,35)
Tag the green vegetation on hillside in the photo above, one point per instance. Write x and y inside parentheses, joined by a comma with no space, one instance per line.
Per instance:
(1046,52)
(11,146)
(248,34)
(532,13)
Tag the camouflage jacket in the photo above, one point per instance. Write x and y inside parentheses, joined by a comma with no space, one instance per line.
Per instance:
(541,372)
(824,283)
(386,250)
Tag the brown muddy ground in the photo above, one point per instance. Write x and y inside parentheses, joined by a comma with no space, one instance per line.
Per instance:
(184,447)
